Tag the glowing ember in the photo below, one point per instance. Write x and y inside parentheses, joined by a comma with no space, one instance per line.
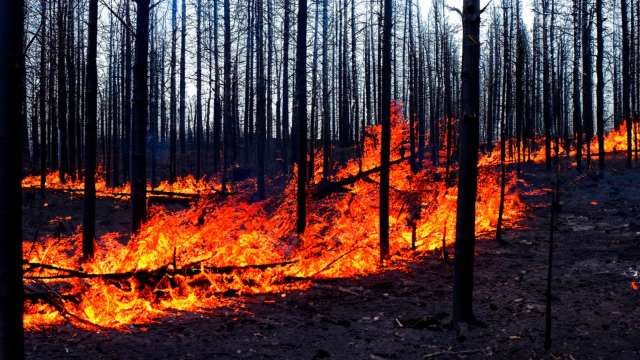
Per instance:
(200,257)
(635,286)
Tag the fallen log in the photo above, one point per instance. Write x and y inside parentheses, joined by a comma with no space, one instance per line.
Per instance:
(325,188)
(190,269)
(102,194)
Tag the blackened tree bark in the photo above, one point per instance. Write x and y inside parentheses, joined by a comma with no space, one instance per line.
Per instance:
(546,86)
(183,80)
(285,84)
(577,114)
(385,114)
(301,112)
(326,100)
(139,125)
(468,173)
(587,79)
(228,124)
(62,94)
(89,213)
(71,73)
(626,78)
(599,86)
(126,104)
(11,70)
(43,97)
(198,89)
(173,136)
(217,111)
(260,98)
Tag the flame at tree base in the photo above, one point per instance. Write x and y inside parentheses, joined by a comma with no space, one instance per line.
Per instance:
(191,246)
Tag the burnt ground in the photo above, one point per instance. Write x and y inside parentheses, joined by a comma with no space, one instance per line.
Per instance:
(398,315)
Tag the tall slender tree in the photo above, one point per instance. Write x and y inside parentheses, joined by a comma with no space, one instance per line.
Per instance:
(260,98)
(11,289)
(91,93)
(301,113)
(385,119)
(139,125)
(468,173)
(599,85)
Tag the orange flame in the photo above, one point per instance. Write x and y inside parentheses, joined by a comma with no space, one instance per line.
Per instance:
(341,240)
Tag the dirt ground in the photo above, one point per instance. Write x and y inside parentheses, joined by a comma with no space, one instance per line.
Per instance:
(403,315)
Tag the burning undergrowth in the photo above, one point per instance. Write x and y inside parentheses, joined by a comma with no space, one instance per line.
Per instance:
(219,250)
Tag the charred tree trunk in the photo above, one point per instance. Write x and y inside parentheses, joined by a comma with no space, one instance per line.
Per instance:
(285,85)
(587,80)
(62,95)
(577,114)
(89,214)
(301,113)
(260,98)
(173,130)
(326,101)
(71,73)
(11,72)
(43,97)
(183,81)
(385,118)
(198,119)
(468,173)
(228,125)
(626,79)
(140,101)
(599,86)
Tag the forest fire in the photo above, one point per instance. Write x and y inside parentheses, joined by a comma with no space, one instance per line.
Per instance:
(615,141)
(204,256)
(184,185)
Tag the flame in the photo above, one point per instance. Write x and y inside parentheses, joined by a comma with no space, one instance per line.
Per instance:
(614,141)
(635,286)
(183,185)
(215,252)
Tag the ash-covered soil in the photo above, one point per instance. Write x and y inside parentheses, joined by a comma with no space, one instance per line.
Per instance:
(403,315)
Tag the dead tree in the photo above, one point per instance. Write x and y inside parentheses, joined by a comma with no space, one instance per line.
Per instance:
(11,71)
(385,119)
(260,98)
(173,136)
(626,78)
(140,101)
(468,173)
(577,113)
(326,103)
(600,84)
(91,92)
(198,116)
(301,113)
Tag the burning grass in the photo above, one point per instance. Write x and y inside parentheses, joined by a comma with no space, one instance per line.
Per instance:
(213,253)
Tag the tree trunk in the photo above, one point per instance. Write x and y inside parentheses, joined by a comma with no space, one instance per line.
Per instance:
(260,98)
(11,72)
(198,90)
(89,214)
(285,85)
(140,101)
(599,86)
(183,81)
(301,112)
(173,131)
(385,114)
(468,173)
(326,96)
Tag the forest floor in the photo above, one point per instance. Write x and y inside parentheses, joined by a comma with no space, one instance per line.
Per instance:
(403,315)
